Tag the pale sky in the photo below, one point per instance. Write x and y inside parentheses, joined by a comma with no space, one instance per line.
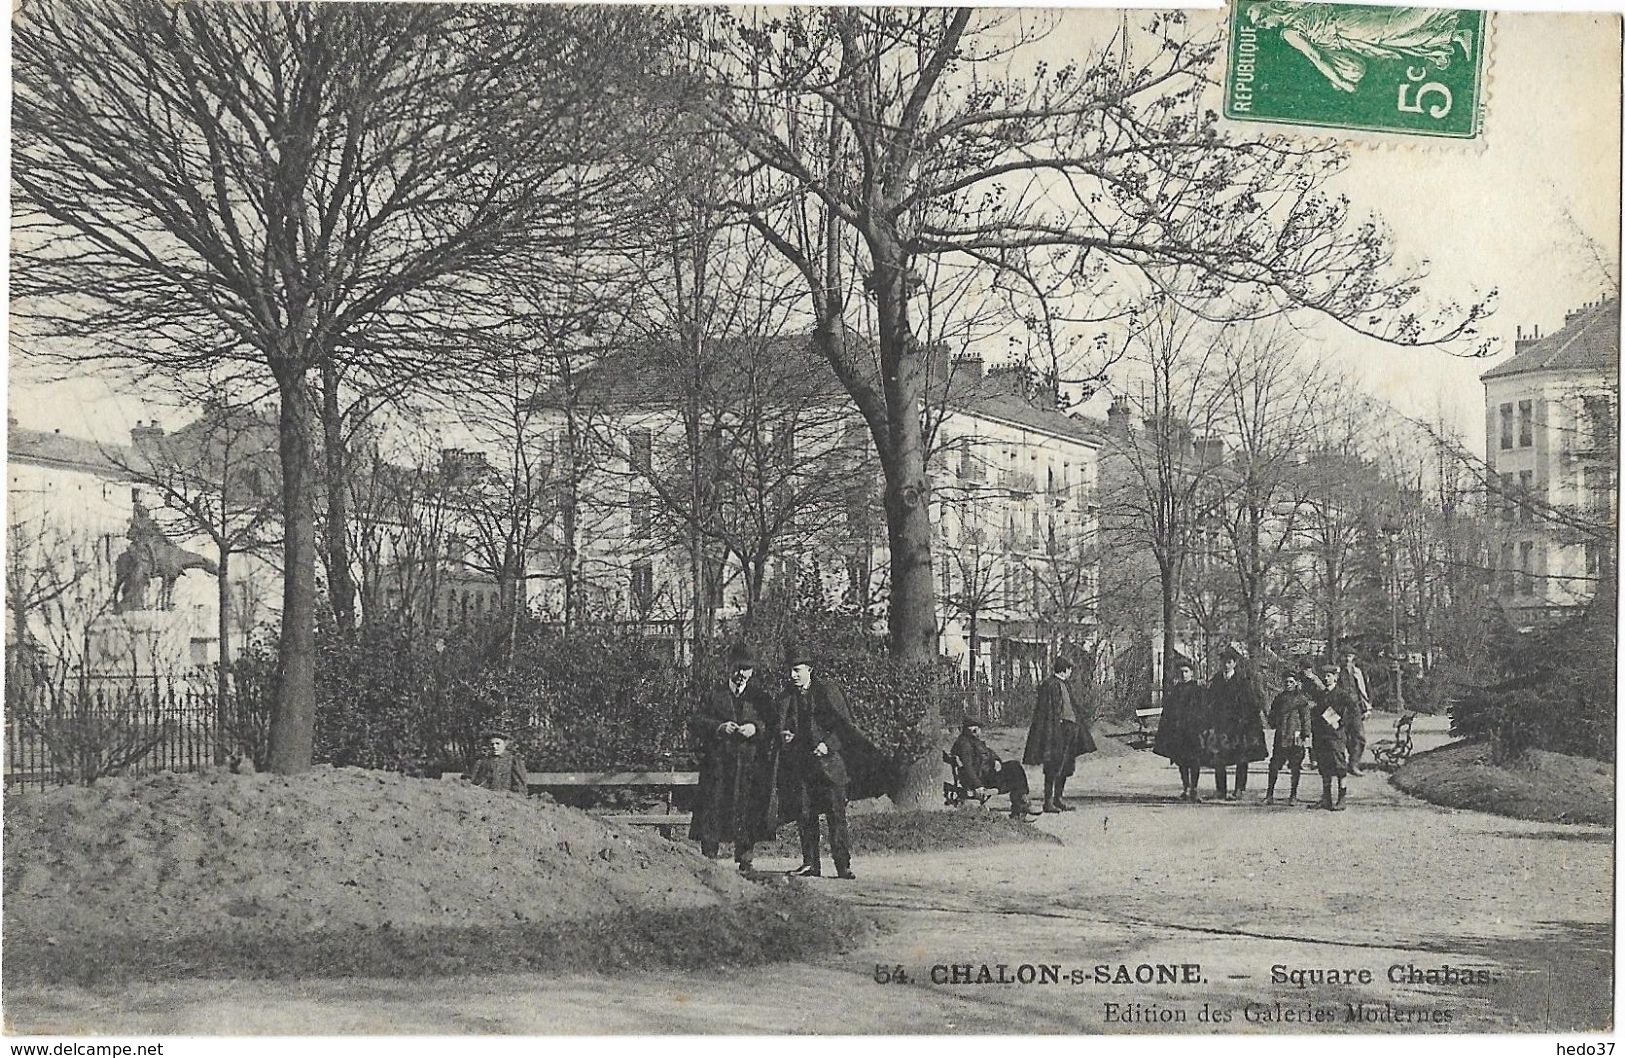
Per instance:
(1487,214)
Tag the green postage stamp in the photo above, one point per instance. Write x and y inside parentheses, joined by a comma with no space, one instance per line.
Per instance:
(1411,70)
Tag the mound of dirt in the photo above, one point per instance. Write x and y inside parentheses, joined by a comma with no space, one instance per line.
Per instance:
(1543,786)
(177,855)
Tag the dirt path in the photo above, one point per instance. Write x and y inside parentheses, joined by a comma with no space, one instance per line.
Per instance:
(1234,888)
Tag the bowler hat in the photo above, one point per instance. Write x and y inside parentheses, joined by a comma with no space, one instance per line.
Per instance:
(1182,662)
(741,657)
(1062,664)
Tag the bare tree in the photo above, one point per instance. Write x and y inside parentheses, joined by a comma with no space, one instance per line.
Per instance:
(886,138)
(1160,466)
(283,188)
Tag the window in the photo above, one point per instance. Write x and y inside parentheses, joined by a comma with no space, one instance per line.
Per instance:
(642,449)
(1508,574)
(639,514)
(1509,502)
(643,584)
(1593,558)
(971,467)
(947,581)
(1526,425)
(1526,495)
(1526,567)
(1506,426)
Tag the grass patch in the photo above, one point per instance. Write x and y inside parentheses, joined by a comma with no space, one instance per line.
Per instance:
(1545,787)
(876,833)
(786,922)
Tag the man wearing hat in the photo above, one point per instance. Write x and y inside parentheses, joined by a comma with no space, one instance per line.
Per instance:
(1183,726)
(1237,722)
(1352,680)
(1328,724)
(499,769)
(731,727)
(815,733)
(979,766)
(1059,735)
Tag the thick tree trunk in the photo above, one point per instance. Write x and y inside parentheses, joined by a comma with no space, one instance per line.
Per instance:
(293,720)
(1170,609)
(912,615)
(336,528)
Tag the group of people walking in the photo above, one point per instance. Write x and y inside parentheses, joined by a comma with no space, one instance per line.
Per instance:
(1221,725)
(766,760)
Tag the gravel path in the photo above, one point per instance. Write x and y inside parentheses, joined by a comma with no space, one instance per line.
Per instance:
(1391,886)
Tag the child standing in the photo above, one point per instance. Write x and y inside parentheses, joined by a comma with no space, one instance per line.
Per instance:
(1289,716)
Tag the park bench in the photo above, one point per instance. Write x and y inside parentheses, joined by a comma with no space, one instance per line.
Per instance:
(953,793)
(667,781)
(1392,752)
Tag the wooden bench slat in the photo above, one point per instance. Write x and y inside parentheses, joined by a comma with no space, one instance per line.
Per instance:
(676,819)
(1148,712)
(615,778)
(602,778)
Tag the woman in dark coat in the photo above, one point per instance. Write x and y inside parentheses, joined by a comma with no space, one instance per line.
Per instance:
(1059,735)
(733,727)
(1236,728)
(1182,727)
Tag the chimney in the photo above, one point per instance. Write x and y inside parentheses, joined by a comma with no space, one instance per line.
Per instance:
(1525,339)
(145,434)
(1119,419)
(1209,450)
(971,366)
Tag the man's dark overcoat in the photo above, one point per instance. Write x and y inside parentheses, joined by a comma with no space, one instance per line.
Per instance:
(852,769)
(1053,741)
(732,800)
(1289,716)
(1329,741)
(1183,724)
(506,772)
(1236,720)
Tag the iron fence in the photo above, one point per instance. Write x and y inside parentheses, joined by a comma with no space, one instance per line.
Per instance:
(88,729)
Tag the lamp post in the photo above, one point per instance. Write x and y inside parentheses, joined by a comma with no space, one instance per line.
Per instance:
(1391,532)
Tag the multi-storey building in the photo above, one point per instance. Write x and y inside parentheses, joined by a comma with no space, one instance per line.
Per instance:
(1551,418)
(759,470)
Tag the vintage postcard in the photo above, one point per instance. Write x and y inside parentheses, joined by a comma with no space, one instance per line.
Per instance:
(567,520)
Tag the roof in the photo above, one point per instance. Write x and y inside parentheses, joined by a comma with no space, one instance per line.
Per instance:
(59,449)
(1588,340)
(790,368)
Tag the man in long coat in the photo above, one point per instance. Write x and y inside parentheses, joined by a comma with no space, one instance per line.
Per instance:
(1237,710)
(821,751)
(732,726)
(1182,728)
(1059,735)
(1352,680)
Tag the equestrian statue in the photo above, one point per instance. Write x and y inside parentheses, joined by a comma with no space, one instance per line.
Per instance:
(151,555)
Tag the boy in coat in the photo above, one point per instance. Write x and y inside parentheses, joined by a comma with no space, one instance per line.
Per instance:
(815,730)
(1059,735)
(1289,716)
(1237,722)
(730,727)
(499,769)
(1328,724)
(1182,728)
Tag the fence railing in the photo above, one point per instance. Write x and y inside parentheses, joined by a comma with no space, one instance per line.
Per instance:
(55,735)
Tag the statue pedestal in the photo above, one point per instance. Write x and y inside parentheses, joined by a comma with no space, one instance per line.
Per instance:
(144,642)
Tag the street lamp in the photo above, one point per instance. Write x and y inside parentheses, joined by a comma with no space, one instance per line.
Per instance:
(1391,532)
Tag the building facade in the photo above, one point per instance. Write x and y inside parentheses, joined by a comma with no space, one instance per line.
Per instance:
(1551,420)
